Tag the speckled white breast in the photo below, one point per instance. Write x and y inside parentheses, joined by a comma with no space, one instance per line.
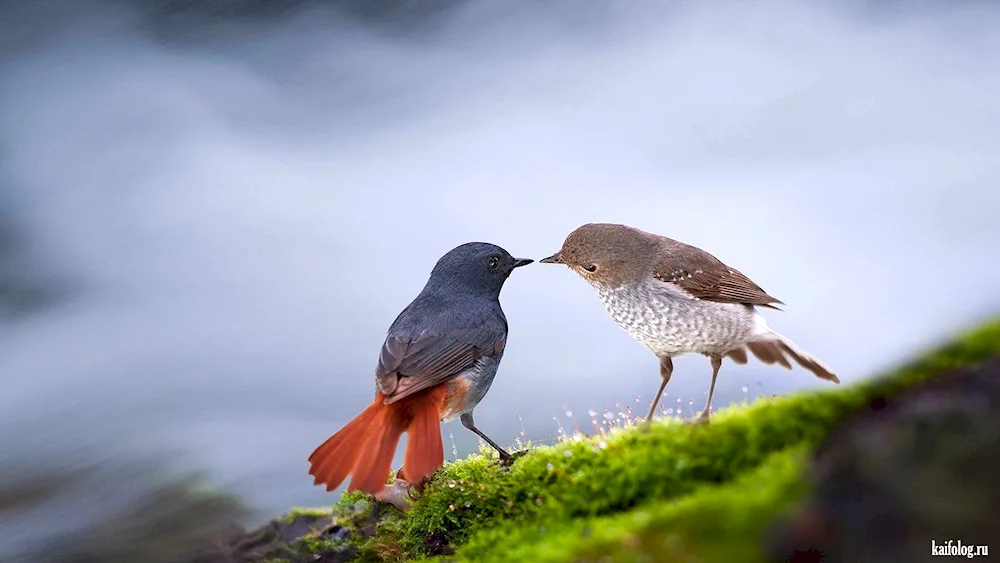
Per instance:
(670,322)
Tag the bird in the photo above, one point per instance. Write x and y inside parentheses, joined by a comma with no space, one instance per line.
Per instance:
(675,299)
(437,362)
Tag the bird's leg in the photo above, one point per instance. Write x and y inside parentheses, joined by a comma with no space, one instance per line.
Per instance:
(505,457)
(666,369)
(716,364)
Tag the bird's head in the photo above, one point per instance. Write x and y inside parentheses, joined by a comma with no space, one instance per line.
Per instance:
(605,254)
(476,266)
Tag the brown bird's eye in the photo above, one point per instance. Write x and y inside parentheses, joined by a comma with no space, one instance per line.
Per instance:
(591,268)
(493,262)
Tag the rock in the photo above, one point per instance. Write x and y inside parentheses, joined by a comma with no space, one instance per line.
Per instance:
(916,468)
(240,546)
(304,536)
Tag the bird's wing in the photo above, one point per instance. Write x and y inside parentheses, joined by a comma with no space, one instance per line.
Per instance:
(704,276)
(407,366)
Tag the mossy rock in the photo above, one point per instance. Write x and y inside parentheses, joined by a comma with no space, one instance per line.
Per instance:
(920,467)
(676,492)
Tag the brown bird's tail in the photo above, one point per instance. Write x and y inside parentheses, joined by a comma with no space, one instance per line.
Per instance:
(772,348)
(365,447)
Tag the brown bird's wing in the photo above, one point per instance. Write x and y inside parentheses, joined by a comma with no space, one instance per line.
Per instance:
(704,276)
(406,366)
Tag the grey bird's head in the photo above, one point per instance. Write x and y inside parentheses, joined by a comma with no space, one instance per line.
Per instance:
(475,267)
(606,254)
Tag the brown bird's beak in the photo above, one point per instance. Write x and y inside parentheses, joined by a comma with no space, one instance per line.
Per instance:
(518,262)
(554,259)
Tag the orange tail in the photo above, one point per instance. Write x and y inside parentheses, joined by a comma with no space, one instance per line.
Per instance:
(365,447)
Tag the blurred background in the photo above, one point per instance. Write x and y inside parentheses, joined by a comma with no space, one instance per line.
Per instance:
(211,211)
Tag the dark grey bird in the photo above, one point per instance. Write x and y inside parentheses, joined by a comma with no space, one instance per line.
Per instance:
(675,298)
(438,361)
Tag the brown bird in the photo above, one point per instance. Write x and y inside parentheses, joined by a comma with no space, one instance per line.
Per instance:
(675,298)
(438,361)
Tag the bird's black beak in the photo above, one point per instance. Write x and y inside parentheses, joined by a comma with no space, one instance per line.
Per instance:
(518,262)
(554,259)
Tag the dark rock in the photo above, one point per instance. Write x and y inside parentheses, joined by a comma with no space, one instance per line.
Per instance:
(906,471)
(241,546)
(338,532)
(300,526)
(438,544)
(302,537)
(343,555)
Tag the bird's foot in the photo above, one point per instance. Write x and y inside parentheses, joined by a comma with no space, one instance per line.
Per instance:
(507,459)
(702,419)
(401,492)
(419,487)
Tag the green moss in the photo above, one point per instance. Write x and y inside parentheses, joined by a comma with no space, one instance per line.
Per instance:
(355,503)
(299,513)
(714,523)
(685,489)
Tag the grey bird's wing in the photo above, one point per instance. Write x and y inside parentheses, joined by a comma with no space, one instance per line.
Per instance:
(704,276)
(407,366)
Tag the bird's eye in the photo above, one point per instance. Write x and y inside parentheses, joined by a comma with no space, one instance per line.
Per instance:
(591,268)
(493,262)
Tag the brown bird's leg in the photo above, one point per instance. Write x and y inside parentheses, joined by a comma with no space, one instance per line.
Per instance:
(716,364)
(666,369)
(505,458)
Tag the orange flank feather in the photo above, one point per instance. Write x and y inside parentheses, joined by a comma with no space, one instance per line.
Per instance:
(365,447)
(455,398)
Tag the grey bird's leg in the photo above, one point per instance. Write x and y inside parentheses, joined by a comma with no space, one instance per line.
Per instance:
(666,369)
(468,422)
(716,364)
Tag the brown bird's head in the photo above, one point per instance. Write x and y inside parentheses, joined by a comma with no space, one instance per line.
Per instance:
(606,254)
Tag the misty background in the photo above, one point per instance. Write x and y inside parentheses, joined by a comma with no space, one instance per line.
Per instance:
(210,213)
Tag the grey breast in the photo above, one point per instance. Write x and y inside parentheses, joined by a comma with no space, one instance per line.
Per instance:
(480,377)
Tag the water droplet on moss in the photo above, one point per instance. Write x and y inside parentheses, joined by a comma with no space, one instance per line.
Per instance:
(568,453)
(451,484)
(550,467)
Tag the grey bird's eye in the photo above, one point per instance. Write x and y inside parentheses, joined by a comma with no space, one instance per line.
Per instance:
(591,268)
(493,262)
